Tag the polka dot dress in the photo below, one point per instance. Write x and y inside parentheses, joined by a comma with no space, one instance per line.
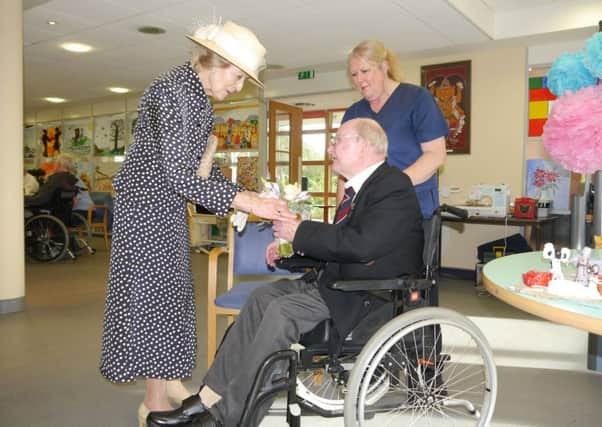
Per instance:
(149,320)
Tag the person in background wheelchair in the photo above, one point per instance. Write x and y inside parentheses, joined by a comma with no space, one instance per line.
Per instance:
(61,180)
(377,234)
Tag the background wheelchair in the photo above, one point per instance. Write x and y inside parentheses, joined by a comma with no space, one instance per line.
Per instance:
(54,232)
(405,363)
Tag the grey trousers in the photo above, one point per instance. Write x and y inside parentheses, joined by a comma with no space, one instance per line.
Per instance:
(273,318)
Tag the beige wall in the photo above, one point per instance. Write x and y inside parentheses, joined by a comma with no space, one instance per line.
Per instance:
(498,120)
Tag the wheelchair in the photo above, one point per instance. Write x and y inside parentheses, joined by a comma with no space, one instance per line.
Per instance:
(55,232)
(405,364)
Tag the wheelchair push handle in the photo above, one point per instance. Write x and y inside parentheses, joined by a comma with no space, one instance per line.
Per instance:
(454,210)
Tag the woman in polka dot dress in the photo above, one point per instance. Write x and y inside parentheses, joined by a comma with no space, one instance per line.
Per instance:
(149,320)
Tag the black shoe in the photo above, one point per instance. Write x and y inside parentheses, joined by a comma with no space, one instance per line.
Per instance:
(191,410)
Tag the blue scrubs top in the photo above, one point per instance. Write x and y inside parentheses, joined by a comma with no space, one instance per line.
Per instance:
(409,117)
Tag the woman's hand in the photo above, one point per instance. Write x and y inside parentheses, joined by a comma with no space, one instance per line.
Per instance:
(271,254)
(285,228)
(252,203)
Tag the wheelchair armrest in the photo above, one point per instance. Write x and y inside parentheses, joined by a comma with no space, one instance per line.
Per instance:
(397,284)
(298,263)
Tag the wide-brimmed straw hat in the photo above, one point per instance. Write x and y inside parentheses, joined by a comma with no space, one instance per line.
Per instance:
(234,43)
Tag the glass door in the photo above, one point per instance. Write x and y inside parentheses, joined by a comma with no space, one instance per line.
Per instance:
(284,157)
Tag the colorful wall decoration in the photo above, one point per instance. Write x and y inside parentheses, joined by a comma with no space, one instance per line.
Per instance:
(131,120)
(237,131)
(540,104)
(247,173)
(30,146)
(51,138)
(548,181)
(450,85)
(109,135)
(78,137)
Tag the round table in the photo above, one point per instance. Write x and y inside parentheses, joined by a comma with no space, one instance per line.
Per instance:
(501,275)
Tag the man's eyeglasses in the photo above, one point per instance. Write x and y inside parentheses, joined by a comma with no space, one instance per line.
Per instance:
(338,138)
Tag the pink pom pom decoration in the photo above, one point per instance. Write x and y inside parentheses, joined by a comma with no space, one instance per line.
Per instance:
(572,136)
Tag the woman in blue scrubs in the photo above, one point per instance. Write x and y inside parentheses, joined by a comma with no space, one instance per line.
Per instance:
(409,114)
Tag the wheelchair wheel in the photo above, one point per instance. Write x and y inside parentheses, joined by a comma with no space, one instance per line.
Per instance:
(46,238)
(440,372)
(321,391)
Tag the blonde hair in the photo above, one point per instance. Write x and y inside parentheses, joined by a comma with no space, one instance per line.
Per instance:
(371,131)
(207,59)
(375,51)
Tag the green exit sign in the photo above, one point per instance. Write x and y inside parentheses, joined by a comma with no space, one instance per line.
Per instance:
(306,74)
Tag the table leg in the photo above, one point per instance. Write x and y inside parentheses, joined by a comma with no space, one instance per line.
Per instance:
(594,352)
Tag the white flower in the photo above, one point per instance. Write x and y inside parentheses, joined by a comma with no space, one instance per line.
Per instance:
(291,192)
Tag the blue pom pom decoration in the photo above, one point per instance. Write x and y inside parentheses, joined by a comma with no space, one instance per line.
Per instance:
(569,73)
(592,58)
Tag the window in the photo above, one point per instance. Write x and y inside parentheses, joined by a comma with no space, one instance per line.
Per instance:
(317,129)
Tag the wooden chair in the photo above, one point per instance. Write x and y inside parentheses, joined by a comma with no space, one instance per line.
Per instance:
(246,256)
(98,220)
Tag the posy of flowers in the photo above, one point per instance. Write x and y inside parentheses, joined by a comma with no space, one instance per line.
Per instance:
(298,201)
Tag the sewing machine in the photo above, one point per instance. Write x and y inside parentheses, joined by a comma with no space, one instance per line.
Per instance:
(488,200)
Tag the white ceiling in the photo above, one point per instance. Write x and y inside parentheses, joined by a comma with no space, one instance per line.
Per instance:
(297,34)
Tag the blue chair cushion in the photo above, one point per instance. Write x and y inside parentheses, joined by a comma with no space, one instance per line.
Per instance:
(238,295)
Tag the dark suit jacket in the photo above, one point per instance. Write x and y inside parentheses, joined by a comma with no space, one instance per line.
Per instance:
(45,197)
(380,238)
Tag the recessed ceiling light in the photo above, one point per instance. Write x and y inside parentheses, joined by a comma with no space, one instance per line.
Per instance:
(76,47)
(119,89)
(51,22)
(149,29)
(54,99)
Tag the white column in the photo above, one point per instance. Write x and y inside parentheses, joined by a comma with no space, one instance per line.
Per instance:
(12,263)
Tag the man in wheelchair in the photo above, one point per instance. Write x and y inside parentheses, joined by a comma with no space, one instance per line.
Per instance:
(49,215)
(57,193)
(377,234)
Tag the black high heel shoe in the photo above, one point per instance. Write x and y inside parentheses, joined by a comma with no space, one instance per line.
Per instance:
(192,410)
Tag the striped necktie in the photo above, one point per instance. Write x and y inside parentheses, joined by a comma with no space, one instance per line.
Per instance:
(345,205)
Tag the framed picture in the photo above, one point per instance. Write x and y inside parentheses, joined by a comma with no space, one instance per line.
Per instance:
(450,85)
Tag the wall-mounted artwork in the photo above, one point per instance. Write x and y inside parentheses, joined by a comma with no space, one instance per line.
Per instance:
(51,137)
(78,137)
(540,103)
(548,181)
(30,146)
(131,120)
(450,85)
(109,135)
(236,129)
(247,173)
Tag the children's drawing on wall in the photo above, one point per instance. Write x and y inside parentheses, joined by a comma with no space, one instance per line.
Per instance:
(109,135)
(50,139)
(30,147)
(238,131)
(131,120)
(550,182)
(78,135)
